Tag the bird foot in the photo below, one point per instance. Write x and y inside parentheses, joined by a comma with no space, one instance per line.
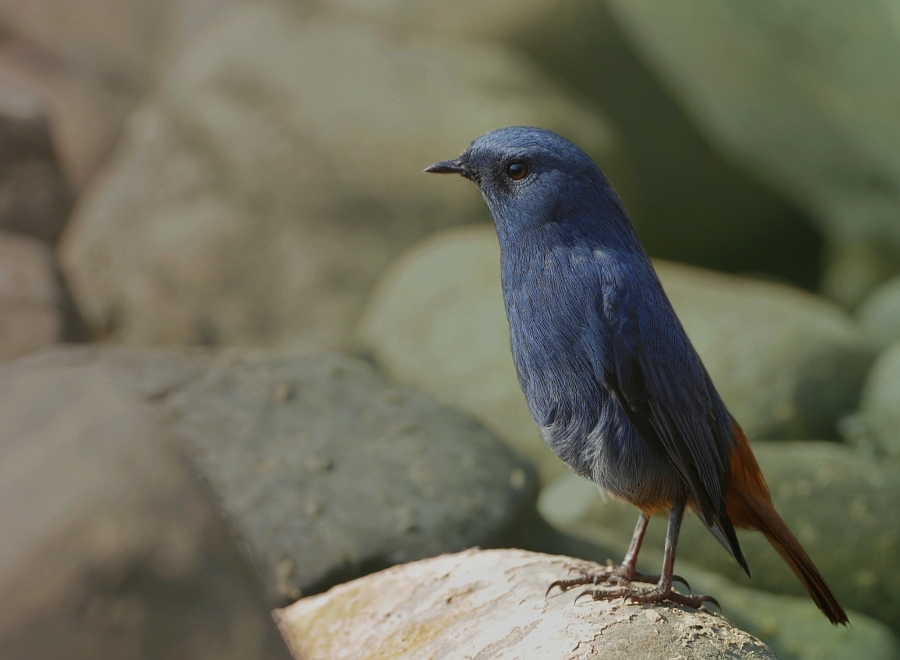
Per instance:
(657,594)
(620,575)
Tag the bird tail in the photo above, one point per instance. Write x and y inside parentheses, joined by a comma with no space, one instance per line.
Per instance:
(749,506)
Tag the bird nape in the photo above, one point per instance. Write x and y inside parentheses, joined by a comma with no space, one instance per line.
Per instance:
(611,379)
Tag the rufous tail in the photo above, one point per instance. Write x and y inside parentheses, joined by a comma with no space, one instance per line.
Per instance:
(749,506)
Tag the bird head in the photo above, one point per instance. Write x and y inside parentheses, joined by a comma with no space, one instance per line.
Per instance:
(530,177)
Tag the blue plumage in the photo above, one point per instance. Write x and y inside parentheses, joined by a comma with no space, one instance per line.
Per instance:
(610,376)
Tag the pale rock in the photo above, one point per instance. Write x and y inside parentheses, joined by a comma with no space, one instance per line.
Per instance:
(30,317)
(494,604)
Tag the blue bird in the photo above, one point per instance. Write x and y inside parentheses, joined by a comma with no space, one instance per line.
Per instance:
(610,376)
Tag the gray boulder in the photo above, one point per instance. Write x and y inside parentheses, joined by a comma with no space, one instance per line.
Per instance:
(111,548)
(323,469)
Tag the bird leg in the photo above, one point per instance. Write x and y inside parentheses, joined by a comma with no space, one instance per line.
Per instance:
(626,573)
(663,590)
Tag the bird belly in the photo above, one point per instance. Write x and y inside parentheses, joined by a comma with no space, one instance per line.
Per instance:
(627,468)
(619,461)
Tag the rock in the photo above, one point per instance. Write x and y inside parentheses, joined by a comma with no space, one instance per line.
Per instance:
(111,549)
(853,270)
(245,205)
(84,87)
(91,66)
(34,198)
(783,360)
(469,19)
(843,507)
(879,314)
(877,423)
(112,34)
(493,604)
(816,121)
(324,469)
(791,626)
(85,112)
(29,314)
(787,364)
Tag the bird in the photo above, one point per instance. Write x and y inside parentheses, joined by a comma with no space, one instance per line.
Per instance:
(609,374)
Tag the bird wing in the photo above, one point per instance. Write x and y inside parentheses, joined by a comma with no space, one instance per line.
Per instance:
(662,386)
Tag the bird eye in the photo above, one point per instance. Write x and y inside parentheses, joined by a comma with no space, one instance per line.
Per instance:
(517,170)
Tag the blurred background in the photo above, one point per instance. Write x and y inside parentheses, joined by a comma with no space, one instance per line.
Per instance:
(225,281)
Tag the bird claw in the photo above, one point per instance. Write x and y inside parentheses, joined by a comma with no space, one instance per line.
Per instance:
(622,578)
(654,595)
(583,579)
(678,578)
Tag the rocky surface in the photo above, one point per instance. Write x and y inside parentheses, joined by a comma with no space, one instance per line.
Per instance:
(788,364)
(245,205)
(34,197)
(876,426)
(324,470)
(112,549)
(879,314)
(842,505)
(822,129)
(93,65)
(493,604)
(30,316)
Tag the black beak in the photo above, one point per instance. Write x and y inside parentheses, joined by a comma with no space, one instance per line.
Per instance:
(449,167)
